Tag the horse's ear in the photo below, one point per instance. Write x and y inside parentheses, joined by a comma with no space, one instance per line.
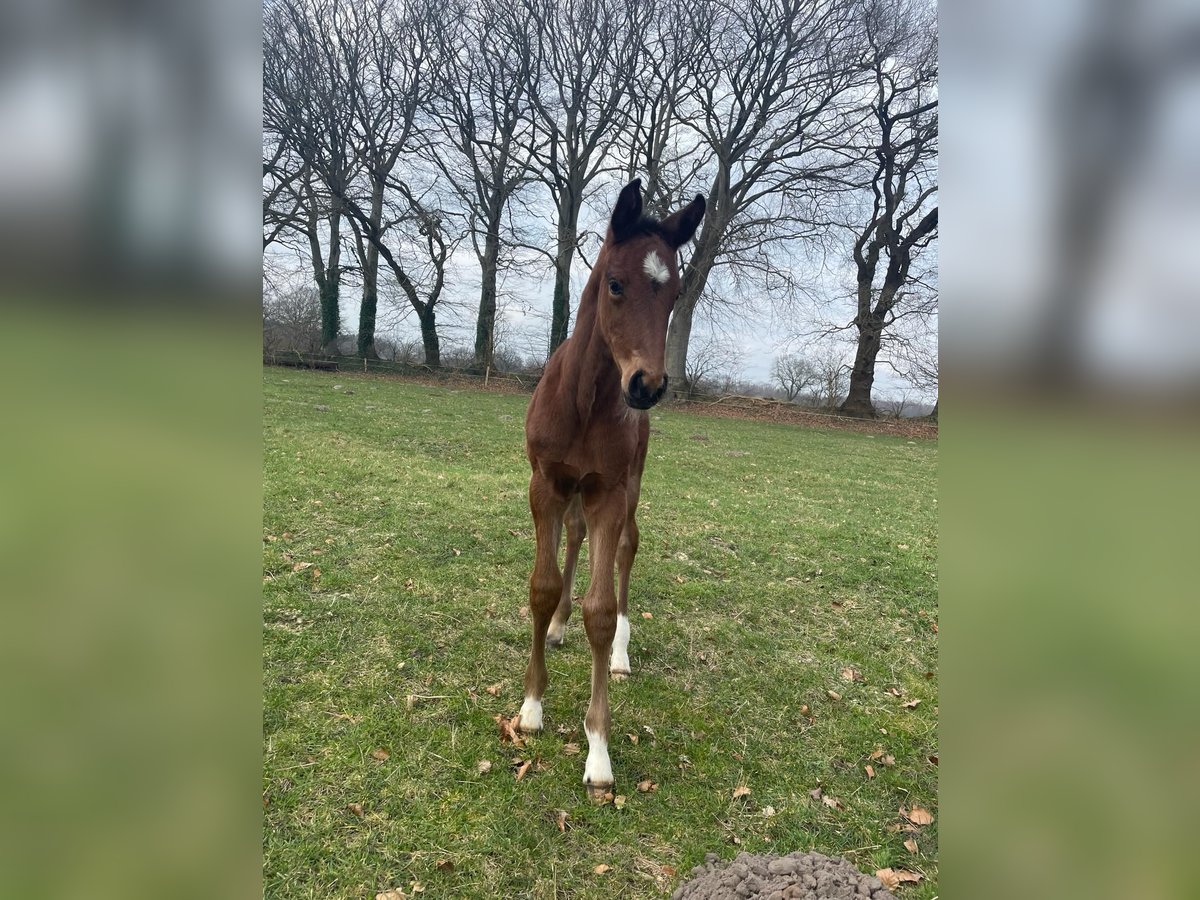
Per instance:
(628,210)
(679,228)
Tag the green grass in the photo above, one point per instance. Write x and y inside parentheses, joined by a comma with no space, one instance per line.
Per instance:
(772,557)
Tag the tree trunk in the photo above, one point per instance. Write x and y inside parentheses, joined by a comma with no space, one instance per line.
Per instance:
(370,294)
(695,277)
(679,332)
(485,325)
(862,376)
(330,324)
(427,316)
(327,274)
(568,231)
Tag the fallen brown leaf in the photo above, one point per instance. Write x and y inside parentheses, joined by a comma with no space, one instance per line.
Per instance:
(619,801)
(633,738)
(669,871)
(484,766)
(912,704)
(834,695)
(876,753)
(933,759)
(910,845)
(495,689)
(301,566)
(523,769)
(918,816)
(647,786)
(888,760)
(647,615)
(601,869)
(815,793)
(804,709)
(893,878)
(849,674)
(380,754)
(391,894)
(445,865)
(561,817)
(870,771)
(508,730)
(570,749)
(895,691)
(417,888)
(832,802)
(740,791)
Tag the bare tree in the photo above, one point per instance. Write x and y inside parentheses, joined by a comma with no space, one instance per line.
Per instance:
(334,72)
(284,176)
(386,56)
(305,108)
(912,353)
(292,320)
(715,363)
(903,217)
(585,54)
(794,374)
(770,115)
(484,110)
(833,375)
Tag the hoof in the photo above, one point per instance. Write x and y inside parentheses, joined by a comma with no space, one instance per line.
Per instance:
(552,641)
(618,676)
(530,718)
(600,793)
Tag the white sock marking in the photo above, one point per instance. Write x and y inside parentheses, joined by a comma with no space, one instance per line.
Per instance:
(598,770)
(656,268)
(531,715)
(619,662)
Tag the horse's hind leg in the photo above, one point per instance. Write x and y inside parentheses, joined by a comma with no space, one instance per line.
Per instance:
(627,549)
(545,589)
(576,530)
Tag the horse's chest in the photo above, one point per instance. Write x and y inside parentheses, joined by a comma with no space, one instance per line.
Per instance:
(607,448)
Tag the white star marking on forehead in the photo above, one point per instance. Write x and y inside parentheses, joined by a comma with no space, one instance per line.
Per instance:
(656,268)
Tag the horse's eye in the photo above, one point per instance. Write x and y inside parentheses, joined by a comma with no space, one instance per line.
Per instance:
(614,287)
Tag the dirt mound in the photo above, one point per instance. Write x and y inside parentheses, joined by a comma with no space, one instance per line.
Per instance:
(803,876)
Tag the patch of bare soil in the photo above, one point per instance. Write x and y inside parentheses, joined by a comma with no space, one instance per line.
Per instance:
(762,410)
(802,876)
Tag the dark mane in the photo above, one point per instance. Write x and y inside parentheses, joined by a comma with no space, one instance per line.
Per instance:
(646,225)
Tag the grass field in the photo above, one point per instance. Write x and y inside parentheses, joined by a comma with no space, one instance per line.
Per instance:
(791,579)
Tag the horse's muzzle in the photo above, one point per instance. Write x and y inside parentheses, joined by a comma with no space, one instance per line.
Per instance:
(639,396)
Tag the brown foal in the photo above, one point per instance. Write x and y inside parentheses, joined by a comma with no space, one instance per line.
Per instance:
(586,435)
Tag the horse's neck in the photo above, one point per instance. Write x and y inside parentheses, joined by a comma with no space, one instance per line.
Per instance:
(589,373)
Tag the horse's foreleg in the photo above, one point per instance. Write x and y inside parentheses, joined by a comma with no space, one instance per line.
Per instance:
(545,588)
(576,530)
(605,512)
(626,551)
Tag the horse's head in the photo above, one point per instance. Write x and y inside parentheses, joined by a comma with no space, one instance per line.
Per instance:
(639,282)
